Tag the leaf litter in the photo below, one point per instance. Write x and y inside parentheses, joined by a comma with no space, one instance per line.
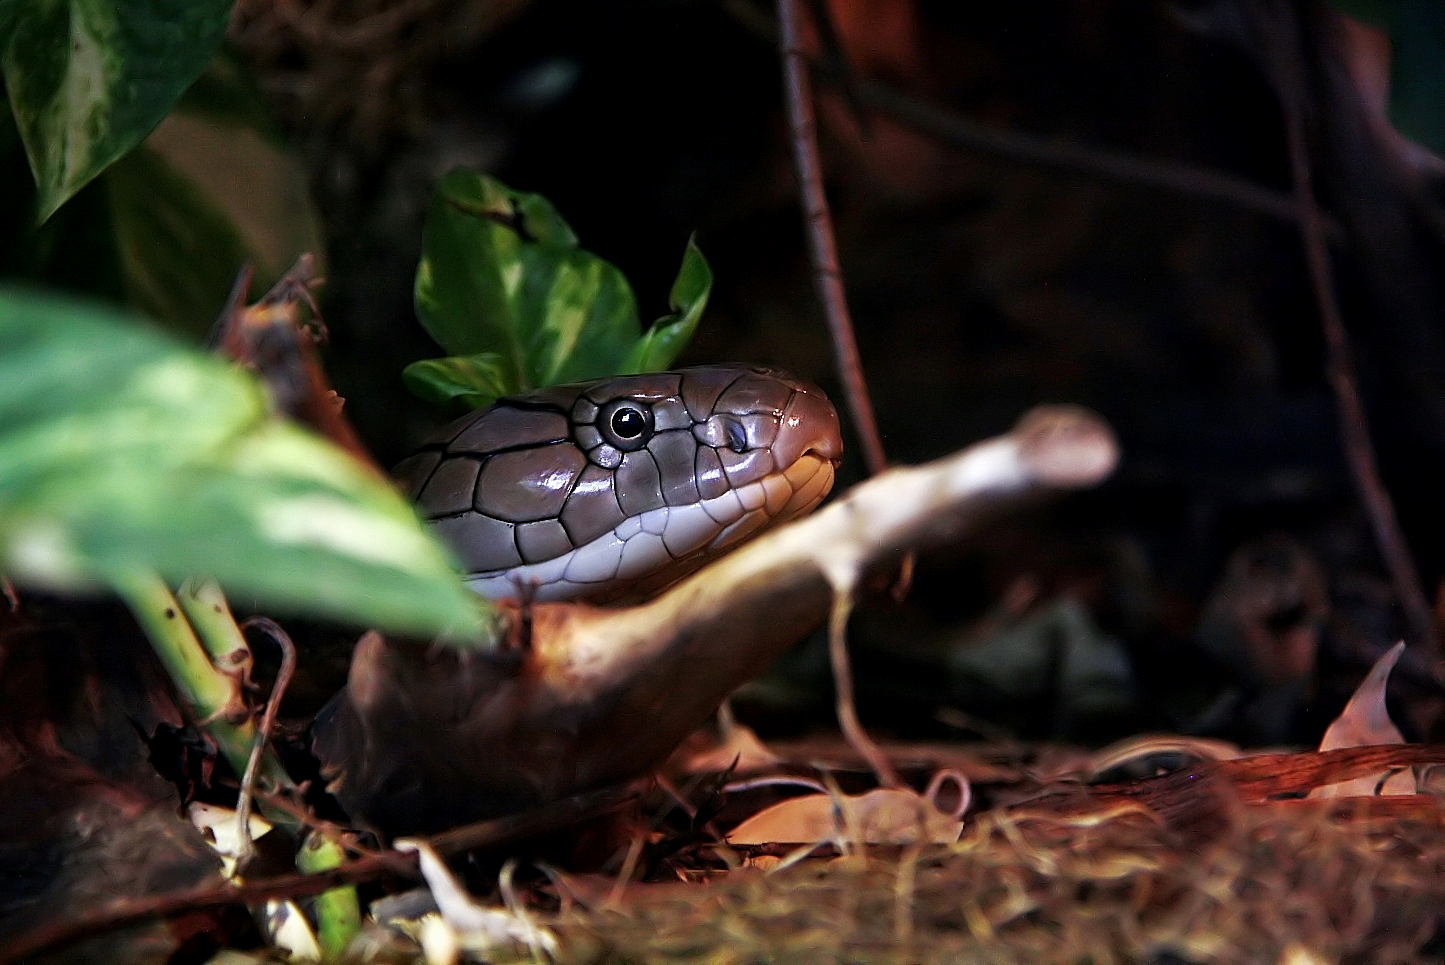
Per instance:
(1219,860)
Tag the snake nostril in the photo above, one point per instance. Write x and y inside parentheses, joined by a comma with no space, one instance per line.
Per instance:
(737,436)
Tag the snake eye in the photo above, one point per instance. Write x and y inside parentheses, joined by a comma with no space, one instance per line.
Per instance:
(626,425)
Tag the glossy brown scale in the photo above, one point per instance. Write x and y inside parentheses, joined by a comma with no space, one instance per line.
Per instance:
(611,489)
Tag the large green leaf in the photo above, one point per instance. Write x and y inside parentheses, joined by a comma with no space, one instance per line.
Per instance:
(166,228)
(89,79)
(119,448)
(504,288)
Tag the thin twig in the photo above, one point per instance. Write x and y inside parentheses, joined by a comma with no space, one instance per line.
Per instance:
(246,848)
(1354,426)
(1188,180)
(132,911)
(1176,177)
(821,245)
(847,709)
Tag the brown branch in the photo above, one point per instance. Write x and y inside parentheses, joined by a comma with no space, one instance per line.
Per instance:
(827,276)
(955,130)
(131,911)
(1185,179)
(1279,24)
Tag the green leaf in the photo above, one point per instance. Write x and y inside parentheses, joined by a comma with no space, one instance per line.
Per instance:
(89,79)
(670,334)
(120,449)
(167,228)
(503,287)
(474,380)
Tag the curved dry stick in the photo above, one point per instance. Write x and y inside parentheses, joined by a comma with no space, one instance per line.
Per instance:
(956,130)
(828,278)
(423,738)
(844,706)
(246,849)
(1188,180)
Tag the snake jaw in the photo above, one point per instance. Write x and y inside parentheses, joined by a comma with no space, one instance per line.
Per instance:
(809,425)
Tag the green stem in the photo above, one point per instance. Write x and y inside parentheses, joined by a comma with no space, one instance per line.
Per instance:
(212,698)
(209,613)
(338,912)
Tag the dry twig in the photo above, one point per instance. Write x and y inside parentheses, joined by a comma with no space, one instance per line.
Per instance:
(246,849)
(955,130)
(821,245)
(1188,180)
(1280,33)
(828,278)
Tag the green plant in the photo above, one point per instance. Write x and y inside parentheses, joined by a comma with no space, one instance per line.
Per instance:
(505,289)
(128,461)
(137,161)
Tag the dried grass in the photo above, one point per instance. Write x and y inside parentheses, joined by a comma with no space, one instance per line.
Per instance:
(1112,884)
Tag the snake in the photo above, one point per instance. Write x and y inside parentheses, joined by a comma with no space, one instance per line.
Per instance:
(608,491)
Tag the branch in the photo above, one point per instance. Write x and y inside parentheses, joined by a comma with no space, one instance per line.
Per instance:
(424,738)
(1179,178)
(1278,25)
(823,249)
(954,129)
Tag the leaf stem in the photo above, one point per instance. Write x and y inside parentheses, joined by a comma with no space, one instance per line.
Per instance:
(209,614)
(212,697)
(338,911)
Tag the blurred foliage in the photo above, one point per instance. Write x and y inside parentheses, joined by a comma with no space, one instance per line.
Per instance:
(121,451)
(89,79)
(167,226)
(124,450)
(503,286)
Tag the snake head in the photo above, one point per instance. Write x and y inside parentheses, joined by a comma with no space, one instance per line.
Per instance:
(609,490)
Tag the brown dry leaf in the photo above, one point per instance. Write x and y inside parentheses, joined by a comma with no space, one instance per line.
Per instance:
(1365,722)
(882,816)
(740,750)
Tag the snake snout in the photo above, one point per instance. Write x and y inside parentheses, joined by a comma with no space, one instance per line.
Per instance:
(809,426)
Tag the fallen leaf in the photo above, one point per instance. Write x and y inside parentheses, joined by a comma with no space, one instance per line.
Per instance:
(739,750)
(1365,722)
(882,816)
